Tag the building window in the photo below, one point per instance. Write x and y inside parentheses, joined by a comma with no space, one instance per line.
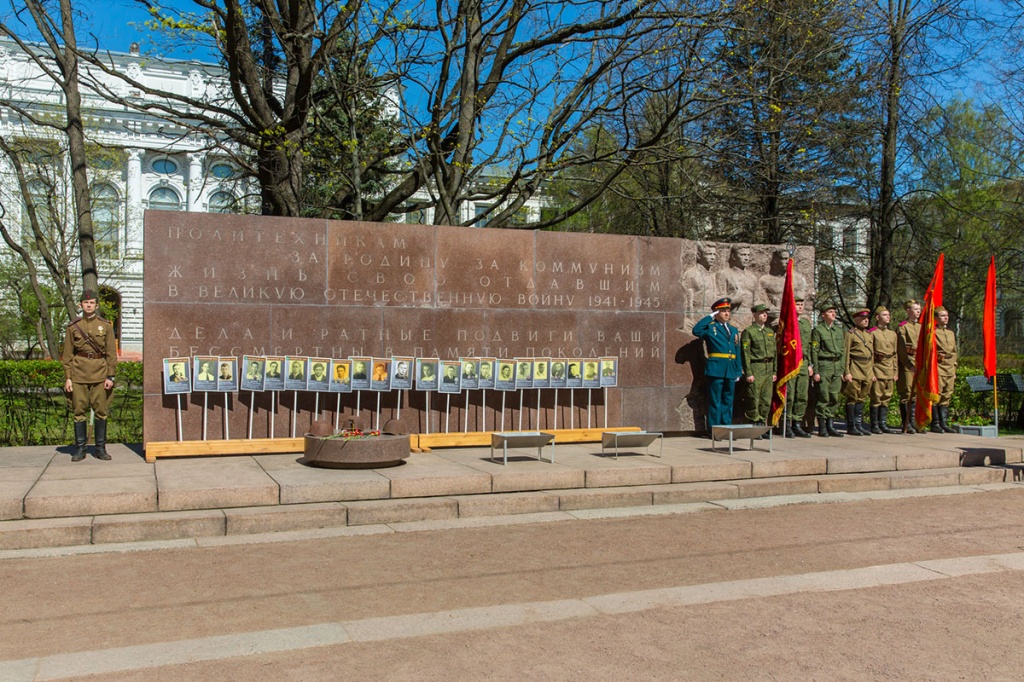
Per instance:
(222,171)
(850,288)
(851,247)
(1013,323)
(482,210)
(222,202)
(106,220)
(164,199)
(165,166)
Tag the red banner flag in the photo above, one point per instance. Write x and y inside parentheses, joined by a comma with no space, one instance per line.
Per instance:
(926,381)
(988,325)
(789,348)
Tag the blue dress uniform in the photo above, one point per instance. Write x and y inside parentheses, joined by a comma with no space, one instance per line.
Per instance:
(723,368)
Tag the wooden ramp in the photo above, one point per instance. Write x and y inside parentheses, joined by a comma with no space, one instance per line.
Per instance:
(418,442)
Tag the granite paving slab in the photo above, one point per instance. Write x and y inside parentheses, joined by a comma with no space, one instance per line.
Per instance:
(26,457)
(783,463)
(87,496)
(214,482)
(426,474)
(524,472)
(703,466)
(301,484)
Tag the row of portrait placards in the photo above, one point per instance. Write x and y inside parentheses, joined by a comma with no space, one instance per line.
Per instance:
(302,373)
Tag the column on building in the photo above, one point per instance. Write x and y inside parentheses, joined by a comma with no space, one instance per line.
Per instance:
(195,181)
(133,204)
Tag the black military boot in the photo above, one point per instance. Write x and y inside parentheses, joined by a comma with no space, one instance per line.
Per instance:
(831,426)
(884,421)
(823,427)
(858,413)
(798,429)
(910,417)
(851,420)
(876,426)
(100,432)
(944,419)
(81,429)
(935,426)
(788,431)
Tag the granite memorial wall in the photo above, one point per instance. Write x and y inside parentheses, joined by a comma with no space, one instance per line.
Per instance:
(234,285)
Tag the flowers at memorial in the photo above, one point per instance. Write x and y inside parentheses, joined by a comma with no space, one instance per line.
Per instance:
(352,434)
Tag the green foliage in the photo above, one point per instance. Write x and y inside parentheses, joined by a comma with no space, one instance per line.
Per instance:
(35,411)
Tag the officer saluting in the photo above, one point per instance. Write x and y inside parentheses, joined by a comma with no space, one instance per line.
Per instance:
(90,360)
(722,369)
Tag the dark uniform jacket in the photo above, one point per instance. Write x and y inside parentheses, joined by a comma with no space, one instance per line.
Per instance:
(721,340)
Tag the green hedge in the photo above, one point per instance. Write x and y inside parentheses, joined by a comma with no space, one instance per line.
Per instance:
(34,411)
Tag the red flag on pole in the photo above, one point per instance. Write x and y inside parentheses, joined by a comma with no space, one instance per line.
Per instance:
(926,381)
(789,348)
(988,325)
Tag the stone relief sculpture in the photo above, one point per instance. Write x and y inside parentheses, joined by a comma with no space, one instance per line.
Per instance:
(738,282)
(700,287)
(772,284)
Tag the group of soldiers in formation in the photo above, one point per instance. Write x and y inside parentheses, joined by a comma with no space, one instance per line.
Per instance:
(863,363)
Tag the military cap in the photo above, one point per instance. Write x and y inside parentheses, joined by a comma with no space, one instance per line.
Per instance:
(910,302)
(940,309)
(89,295)
(861,311)
(798,299)
(759,308)
(881,309)
(722,304)
(827,305)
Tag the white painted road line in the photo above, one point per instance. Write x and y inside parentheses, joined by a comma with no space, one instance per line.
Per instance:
(148,656)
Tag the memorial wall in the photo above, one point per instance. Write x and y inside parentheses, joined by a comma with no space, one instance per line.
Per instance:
(231,285)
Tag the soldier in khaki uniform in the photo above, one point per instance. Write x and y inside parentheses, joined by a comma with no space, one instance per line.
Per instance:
(859,373)
(945,346)
(758,343)
(828,356)
(906,349)
(90,360)
(885,371)
(796,393)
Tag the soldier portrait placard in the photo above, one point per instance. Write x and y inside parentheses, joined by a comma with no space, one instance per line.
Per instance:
(341,376)
(451,376)
(176,376)
(401,373)
(574,374)
(255,369)
(361,373)
(205,369)
(609,371)
(506,380)
(426,374)
(273,378)
(540,372)
(487,373)
(524,372)
(319,374)
(380,380)
(470,373)
(557,373)
(227,374)
(591,373)
(295,378)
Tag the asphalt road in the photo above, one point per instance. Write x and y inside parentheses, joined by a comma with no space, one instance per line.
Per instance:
(915,588)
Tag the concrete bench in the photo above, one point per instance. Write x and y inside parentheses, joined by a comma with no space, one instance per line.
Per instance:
(522,439)
(736,431)
(631,439)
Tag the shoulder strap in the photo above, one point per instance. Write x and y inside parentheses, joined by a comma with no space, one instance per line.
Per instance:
(88,339)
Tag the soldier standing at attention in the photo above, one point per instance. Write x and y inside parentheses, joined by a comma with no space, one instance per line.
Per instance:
(758,344)
(945,346)
(906,350)
(722,369)
(885,371)
(90,361)
(828,358)
(796,393)
(859,373)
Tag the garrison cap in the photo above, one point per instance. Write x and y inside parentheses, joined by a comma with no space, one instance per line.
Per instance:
(881,309)
(910,302)
(722,304)
(89,295)
(759,308)
(940,309)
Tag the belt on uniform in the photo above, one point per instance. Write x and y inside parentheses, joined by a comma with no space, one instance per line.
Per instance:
(828,357)
(91,356)
(727,356)
(765,360)
(879,357)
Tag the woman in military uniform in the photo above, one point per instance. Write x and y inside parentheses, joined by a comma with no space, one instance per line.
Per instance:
(90,361)
(859,373)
